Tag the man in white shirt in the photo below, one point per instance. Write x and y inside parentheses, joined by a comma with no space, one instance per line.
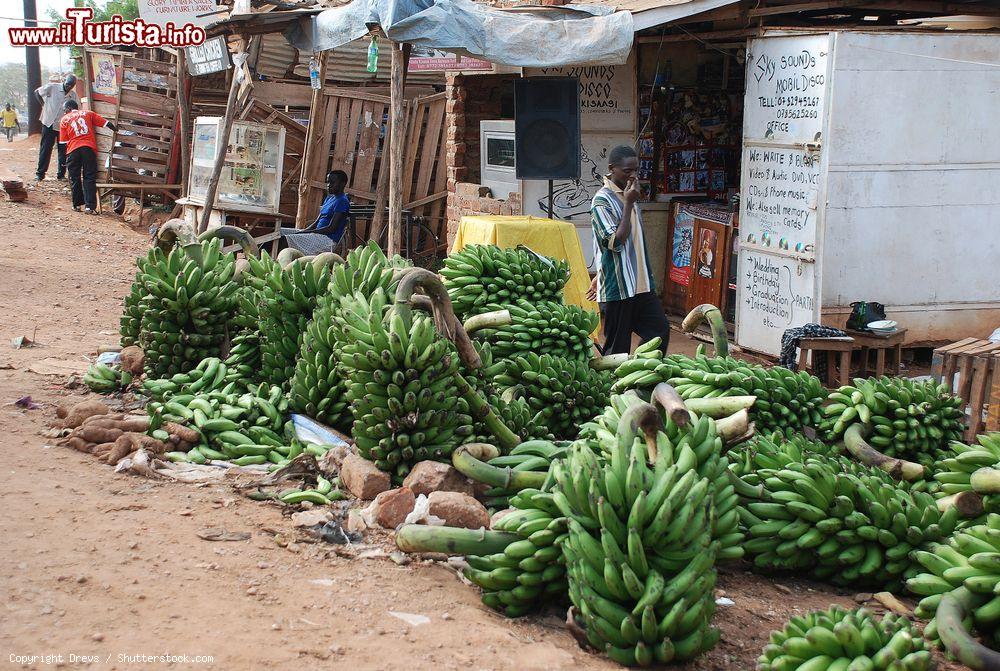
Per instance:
(52,97)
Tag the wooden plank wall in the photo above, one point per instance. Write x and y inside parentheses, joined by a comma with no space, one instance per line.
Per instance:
(354,124)
(145,121)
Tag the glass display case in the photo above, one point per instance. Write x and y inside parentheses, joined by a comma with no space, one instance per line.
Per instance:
(251,174)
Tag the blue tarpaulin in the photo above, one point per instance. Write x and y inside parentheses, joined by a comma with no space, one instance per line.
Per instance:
(527,37)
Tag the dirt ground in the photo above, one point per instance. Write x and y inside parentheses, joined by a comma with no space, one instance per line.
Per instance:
(99,567)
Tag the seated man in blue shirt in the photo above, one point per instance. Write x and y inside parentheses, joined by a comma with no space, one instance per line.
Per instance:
(332,219)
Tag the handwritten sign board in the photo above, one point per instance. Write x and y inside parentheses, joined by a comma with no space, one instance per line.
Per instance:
(786,87)
(212,56)
(179,12)
(777,294)
(781,186)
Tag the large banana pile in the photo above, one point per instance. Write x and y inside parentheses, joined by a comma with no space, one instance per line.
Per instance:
(845,640)
(286,306)
(243,361)
(802,510)
(907,419)
(530,571)
(402,389)
(190,299)
(478,276)
(131,319)
(542,327)
(970,561)
(639,554)
(785,400)
(568,392)
(319,385)
(699,446)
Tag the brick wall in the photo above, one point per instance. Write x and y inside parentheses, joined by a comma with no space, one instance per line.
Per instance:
(471,99)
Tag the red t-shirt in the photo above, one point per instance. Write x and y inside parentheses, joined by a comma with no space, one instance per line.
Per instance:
(77,129)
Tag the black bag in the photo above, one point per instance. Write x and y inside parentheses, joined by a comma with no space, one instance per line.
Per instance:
(864,313)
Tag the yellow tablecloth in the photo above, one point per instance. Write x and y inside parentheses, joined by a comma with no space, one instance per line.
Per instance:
(557,239)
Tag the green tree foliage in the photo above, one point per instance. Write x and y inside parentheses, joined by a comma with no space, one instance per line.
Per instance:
(103,11)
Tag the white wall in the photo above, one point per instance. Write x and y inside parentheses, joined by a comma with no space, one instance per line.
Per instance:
(913,208)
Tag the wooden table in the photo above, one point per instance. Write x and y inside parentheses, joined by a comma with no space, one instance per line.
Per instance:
(891,343)
(843,346)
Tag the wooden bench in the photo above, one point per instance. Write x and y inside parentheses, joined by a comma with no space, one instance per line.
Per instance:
(843,346)
(891,343)
(975,362)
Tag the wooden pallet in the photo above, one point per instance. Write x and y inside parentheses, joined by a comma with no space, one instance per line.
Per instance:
(976,363)
(12,186)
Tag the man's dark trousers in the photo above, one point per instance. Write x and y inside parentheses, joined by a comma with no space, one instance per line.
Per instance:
(82,167)
(50,137)
(642,314)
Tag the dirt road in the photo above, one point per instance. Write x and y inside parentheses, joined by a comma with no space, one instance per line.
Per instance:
(109,567)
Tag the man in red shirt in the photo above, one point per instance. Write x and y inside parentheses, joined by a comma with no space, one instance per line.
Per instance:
(76,131)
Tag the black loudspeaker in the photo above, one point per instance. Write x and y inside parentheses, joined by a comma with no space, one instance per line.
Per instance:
(547,127)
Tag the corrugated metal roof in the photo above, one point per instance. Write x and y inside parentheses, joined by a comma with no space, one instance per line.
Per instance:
(346,64)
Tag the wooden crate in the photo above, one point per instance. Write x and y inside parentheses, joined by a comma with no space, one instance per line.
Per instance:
(976,363)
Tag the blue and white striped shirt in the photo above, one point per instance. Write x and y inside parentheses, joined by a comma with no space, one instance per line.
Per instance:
(623,269)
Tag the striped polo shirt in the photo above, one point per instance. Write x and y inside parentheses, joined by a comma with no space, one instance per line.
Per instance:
(623,270)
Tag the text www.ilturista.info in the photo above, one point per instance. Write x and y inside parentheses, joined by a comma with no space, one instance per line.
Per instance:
(79,30)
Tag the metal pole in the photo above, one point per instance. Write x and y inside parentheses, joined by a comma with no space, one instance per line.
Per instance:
(222,142)
(34,66)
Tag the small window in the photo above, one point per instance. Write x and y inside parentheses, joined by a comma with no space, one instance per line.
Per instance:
(500,152)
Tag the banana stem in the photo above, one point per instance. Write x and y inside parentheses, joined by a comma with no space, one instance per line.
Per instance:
(986,481)
(445,321)
(233,234)
(174,232)
(489,320)
(952,610)
(646,418)
(287,255)
(711,314)
(609,362)
(326,259)
(470,466)
(481,411)
(854,440)
(718,408)
(734,428)
(451,540)
(671,402)
(969,504)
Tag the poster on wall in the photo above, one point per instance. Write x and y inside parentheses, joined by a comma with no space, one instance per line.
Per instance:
(105,78)
(680,256)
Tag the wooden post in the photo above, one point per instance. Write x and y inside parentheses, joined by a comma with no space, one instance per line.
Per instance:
(222,144)
(397,145)
(185,112)
(313,132)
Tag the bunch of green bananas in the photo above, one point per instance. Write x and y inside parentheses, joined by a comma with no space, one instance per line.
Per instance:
(287,305)
(570,392)
(103,378)
(243,360)
(639,554)
(803,510)
(700,442)
(211,374)
(532,456)
(969,561)
(319,384)
(530,571)
(189,303)
(784,399)
(957,472)
(907,419)
(543,327)
(253,282)
(516,415)
(478,276)
(325,492)
(845,640)
(402,388)
(131,319)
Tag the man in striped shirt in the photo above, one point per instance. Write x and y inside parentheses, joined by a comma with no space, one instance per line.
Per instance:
(625,284)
